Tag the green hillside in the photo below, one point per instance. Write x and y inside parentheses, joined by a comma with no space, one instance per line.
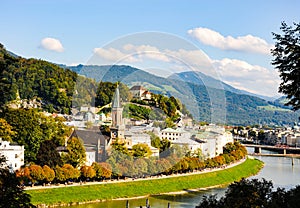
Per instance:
(47,84)
(52,86)
(233,108)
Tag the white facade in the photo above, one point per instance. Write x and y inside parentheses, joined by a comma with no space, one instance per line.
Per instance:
(14,154)
(90,156)
(182,138)
(174,135)
(133,138)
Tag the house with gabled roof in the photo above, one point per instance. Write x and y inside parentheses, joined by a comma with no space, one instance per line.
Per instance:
(141,93)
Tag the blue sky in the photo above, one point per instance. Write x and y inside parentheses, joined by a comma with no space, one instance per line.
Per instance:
(235,35)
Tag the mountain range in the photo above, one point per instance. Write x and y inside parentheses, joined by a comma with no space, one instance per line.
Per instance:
(207,98)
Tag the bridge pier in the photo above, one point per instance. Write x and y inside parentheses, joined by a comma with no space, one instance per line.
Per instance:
(257,150)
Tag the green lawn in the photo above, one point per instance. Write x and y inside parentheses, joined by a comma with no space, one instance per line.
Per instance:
(272,108)
(74,194)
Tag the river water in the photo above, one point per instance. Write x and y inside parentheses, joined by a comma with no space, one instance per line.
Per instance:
(278,169)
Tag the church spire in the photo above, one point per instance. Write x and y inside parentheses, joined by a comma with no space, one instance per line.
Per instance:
(116,100)
(116,110)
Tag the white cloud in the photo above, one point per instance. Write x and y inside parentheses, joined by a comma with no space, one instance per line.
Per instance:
(114,55)
(248,43)
(239,74)
(253,78)
(52,44)
(139,53)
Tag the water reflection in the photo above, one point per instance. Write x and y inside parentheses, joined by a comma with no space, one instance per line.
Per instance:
(176,201)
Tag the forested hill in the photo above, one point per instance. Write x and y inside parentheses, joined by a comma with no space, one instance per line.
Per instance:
(240,109)
(36,79)
(53,87)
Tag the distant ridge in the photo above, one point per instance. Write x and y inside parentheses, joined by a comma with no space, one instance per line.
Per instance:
(195,90)
(200,78)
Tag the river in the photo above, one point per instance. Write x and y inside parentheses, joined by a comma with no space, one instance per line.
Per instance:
(278,169)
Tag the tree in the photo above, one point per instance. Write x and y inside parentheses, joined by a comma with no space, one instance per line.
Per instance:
(24,175)
(48,155)
(32,128)
(6,132)
(76,152)
(98,170)
(36,173)
(287,61)
(120,147)
(104,93)
(106,169)
(253,193)
(165,145)
(141,166)
(87,172)
(141,150)
(49,173)
(155,140)
(70,172)
(11,191)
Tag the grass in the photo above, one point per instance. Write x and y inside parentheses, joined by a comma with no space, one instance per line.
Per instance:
(272,108)
(75,194)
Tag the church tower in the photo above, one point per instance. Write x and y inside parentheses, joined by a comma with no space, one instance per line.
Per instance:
(117,127)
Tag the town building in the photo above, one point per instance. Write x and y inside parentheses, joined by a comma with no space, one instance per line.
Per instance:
(210,141)
(14,154)
(139,92)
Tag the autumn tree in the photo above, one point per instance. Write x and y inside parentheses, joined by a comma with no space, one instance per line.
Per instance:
(106,169)
(24,175)
(71,172)
(60,174)
(287,61)
(87,172)
(36,173)
(66,172)
(49,173)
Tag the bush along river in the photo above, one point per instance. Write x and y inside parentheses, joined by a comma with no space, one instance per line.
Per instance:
(277,169)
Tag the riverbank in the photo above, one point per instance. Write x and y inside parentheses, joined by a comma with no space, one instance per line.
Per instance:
(108,191)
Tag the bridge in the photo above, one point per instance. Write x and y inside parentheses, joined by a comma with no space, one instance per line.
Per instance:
(283,149)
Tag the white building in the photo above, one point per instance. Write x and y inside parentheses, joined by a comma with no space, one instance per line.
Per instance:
(182,138)
(174,135)
(140,92)
(14,154)
(132,138)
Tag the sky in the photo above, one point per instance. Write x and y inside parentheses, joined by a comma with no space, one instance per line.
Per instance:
(229,40)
